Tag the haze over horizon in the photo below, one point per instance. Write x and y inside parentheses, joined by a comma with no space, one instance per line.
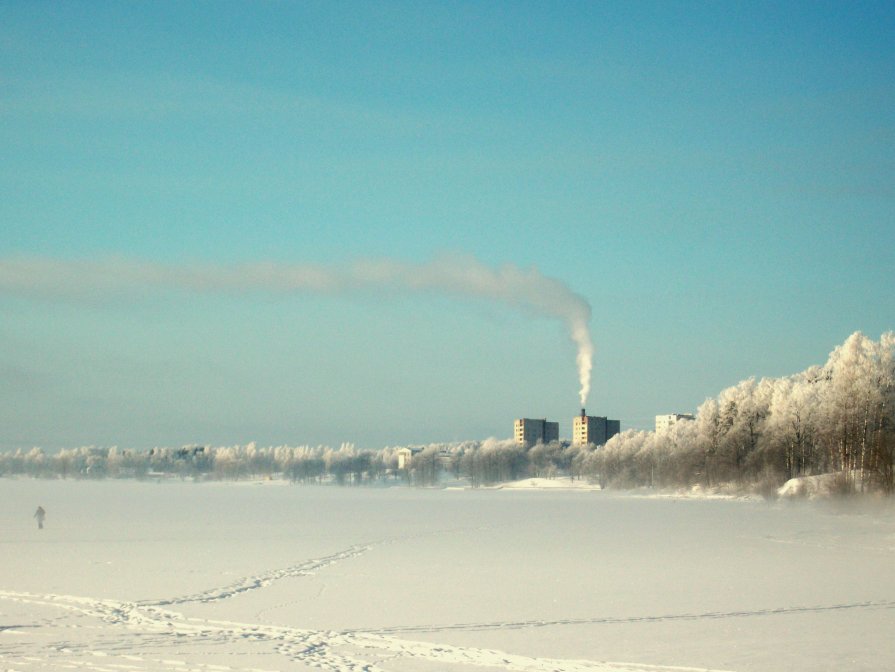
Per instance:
(715,181)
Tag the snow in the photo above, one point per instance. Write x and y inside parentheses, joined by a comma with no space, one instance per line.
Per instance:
(821,486)
(563,483)
(541,576)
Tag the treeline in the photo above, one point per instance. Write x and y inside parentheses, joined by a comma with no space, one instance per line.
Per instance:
(494,461)
(300,464)
(479,462)
(837,418)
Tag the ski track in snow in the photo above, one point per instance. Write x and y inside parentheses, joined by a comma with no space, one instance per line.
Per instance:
(263,580)
(148,635)
(608,620)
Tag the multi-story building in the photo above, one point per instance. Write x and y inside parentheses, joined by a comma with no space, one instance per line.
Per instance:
(666,422)
(405,456)
(593,429)
(528,432)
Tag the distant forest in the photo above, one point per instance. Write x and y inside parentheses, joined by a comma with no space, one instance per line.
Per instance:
(837,419)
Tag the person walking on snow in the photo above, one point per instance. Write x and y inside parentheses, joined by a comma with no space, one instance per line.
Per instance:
(40,514)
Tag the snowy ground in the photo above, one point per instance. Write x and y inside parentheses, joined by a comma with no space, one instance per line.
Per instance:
(132,576)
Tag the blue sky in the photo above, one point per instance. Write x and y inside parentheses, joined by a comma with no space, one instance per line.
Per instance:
(715,179)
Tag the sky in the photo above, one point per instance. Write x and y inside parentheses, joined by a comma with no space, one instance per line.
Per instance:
(716,181)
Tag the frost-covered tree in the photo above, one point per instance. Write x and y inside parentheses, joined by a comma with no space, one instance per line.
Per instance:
(836,417)
(856,409)
(425,466)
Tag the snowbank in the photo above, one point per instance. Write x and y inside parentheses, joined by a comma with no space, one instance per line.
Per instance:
(547,484)
(816,487)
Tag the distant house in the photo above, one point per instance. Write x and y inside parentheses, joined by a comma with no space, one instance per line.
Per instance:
(666,422)
(445,458)
(405,456)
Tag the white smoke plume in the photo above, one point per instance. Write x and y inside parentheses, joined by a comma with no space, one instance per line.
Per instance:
(92,280)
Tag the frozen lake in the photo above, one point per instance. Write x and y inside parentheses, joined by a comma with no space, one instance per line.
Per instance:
(219,577)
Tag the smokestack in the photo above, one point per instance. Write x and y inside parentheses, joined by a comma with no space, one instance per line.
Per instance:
(582,413)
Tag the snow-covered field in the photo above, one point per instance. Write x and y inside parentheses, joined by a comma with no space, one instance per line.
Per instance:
(226,577)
